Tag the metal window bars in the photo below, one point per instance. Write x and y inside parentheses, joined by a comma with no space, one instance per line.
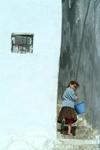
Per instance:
(22,43)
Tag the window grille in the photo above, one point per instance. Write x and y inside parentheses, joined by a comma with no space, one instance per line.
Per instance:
(22,43)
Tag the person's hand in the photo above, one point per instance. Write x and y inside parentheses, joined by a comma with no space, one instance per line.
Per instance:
(77,97)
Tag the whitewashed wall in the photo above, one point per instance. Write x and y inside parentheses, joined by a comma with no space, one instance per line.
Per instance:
(28,82)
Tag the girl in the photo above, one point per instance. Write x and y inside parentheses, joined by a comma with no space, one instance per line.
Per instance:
(67,114)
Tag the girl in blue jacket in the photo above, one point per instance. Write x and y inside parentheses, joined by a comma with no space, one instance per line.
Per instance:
(67,114)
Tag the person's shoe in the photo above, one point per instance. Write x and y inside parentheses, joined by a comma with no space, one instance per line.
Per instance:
(62,124)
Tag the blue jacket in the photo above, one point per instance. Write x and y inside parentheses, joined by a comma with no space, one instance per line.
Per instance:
(69,98)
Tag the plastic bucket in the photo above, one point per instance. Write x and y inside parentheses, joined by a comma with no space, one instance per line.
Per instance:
(80,108)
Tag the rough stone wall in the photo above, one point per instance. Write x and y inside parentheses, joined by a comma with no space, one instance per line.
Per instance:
(80,55)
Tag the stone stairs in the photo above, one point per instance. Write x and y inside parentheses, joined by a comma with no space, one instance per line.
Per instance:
(78,131)
(83,137)
(73,144)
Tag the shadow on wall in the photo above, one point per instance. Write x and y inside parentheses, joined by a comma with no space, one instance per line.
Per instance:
(65,59)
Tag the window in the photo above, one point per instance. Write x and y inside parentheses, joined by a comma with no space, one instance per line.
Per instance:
(22,43)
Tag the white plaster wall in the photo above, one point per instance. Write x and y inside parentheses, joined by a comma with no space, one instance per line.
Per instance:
(28,82)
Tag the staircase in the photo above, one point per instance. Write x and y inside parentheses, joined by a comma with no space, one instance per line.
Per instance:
(83,137)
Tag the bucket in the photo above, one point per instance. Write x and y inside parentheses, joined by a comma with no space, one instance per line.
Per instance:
(80,108)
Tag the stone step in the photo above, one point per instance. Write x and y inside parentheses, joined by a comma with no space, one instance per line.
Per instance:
(82,133)
(68,144)
(80,136)
(79,132)
(78,149)
(83,147)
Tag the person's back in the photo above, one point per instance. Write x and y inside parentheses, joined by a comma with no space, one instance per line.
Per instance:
(69,98)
